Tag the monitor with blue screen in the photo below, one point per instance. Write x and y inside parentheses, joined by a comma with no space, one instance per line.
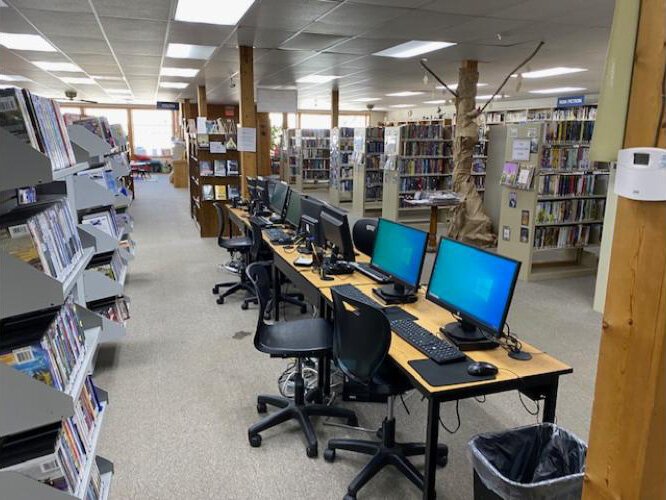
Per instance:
(475,285)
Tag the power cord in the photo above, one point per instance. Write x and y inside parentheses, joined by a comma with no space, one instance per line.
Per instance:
(452,431)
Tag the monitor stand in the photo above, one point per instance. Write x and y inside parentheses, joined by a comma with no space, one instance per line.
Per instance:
(395,293)
(467,337)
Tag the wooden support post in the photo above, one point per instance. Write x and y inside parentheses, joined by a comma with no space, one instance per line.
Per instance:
(263,144)
(335,107)
(247,113)
(627,445)
(285,121)
(202,104)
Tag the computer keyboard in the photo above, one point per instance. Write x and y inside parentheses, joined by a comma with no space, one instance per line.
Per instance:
(356,294)
(439,350)
(277,235)
(260,221)
(378,276)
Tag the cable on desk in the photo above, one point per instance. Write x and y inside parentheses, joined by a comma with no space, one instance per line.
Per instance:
(457,417)
(404,404)
(479,400)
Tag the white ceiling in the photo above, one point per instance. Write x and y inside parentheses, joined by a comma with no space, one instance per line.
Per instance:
(127,39)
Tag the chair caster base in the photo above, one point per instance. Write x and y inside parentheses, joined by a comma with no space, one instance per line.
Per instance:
(220,300)
(304,309)
(329,455)
(244,306)
(261,408)
(349,497)
(255,441)
(311,451)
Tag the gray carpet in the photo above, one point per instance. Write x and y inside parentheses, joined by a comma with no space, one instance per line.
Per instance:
(182,384)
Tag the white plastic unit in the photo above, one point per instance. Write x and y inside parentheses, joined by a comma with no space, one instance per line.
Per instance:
(641,174)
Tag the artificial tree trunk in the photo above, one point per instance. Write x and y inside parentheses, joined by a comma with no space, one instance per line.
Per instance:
(469,222)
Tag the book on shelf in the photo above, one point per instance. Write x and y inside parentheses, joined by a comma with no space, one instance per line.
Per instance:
(525,177)
(99,126)
(220,168)
(509,174)
(37,121)
(203,141)
(566,185)
(109,265)
(232,192)
(118,134)
(116,309)
(26,195)
(220,193)
(205,168)
(232,167)
(207,192)
(104,221)
(47,239)
(566,236)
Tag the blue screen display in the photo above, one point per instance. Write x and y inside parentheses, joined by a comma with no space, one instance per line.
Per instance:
(473,283)
(399,251)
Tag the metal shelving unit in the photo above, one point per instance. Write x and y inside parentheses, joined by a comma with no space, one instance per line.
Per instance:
(368,173)
(341,177)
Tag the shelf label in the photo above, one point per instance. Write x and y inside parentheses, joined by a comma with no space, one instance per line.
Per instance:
(173,106)
(572,101)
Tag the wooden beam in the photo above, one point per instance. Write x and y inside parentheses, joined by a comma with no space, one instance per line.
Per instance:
(202,104)
(247,112)
(285,121)
(263,144)
(627,445)
(335,107)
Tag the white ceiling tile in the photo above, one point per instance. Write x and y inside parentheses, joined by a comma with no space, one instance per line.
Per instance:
(471,7)
(138,30)
(364,46)
(128,47)
(53,5)
(198,34)
(76,45)
(285,14)
(12,22)
(311,41)
(142,9)
(54,23)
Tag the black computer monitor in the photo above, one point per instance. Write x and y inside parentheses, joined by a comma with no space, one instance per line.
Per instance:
(278,199)
(399,251)
(476,286)
(335,233)
(293,215)
(262,191)
(311,209)
(271,187)
(252,187)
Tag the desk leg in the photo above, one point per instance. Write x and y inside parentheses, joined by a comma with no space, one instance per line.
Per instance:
(550,402)
(432,435)
(434,219)
(276,293)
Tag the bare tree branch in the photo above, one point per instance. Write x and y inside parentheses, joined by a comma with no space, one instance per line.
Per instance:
(425,67)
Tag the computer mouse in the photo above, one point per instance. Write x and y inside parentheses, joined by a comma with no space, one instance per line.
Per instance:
(481,368)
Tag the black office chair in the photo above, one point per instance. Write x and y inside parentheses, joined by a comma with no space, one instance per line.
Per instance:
(363,235)
(361,340)
(241,245)
(298,339)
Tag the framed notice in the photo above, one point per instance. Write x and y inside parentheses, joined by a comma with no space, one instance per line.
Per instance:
(521,150)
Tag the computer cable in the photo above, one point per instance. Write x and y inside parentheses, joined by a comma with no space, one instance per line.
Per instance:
(520,395)
(479,400)
(404,404)
(450,431)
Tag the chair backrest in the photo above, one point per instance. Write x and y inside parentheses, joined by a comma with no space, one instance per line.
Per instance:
(364,235)
(257,272)
(258,244)
(221,219)
(361,337)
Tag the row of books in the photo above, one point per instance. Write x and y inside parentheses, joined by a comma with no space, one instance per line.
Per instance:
(315,175)
(565,158)
(220,193)
(116,309)
(426,149)
(478,166)
(316,153)
(219,168)
(374,134)
(566,185)
(111,266)
(569,131)
(565,236)
(346,132)
(570,210)
(426,166)
(434,131)
(373,162)
(46,238)
(319,133)
(318,163)
(374,147)
(481,149)
(579,113)
(518,176)
(104,220)
(425,184)
(98,125)
(479,181)
(37,121)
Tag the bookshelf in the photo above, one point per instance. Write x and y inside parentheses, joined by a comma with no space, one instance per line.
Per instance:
(342,168)
(289,157)
(582,113)
(552,225)
(313,148)
(368,173)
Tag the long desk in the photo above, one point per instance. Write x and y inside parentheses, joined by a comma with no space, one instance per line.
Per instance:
(537,378)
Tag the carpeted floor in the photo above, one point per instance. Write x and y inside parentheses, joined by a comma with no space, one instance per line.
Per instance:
(182,384)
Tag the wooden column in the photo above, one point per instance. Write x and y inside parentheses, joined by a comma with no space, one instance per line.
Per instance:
(263,144)
(202,104)
(285,121)
(627,444)
(335,107)
(247,112)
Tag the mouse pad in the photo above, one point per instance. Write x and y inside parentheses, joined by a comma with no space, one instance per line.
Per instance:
(448,374)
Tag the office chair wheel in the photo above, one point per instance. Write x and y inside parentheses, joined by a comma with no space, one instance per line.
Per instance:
(329,455)
(220,300)
(244,306)
(349,496)
(261,408)
(442,460)
(304,309)
(255,441)
(216,290)
(311,451)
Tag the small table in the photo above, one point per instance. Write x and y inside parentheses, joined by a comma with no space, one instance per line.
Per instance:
(140,168)
(435,204)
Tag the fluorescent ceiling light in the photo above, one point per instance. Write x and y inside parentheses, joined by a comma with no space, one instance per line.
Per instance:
(401,106)
(184,72)
(106,77)
(486,97)
(19,41)
(316,78)
(413,48)
(173,85)
(187,51)
(58,66)
(118,91)
(75,79)
(2,87)
(367,99)
(438,101)
(454,86)
(14,78)
(557,90)
(204,11)
(543,73)
(406,93)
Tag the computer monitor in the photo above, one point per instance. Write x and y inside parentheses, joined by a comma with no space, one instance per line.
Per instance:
(252,187)
(278,199)
(476,286)
(293,216)
(262,190)
(311,209)
(335,233)
(399,251)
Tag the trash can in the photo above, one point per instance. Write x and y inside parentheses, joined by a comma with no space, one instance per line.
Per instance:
(535,462)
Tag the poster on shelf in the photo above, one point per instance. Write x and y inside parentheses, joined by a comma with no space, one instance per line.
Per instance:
(201,125)
(217,147)
(521,150)
(247,139)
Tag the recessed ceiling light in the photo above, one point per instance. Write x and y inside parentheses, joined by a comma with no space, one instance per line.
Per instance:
(413,48)
(316,78)
(106,77)
(488,96)
(401,106)
(187,51)
(184,72)
(14,78)
(205,11)
(58,66)
(19,41)
(76,79)
(454,86)
(118,91)
(557,90)
(173,85)
(367,99)
(406,93)
(438,101)
(543,73)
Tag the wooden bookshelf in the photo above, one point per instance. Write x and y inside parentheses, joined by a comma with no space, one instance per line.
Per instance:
(368,173)
(342,168)
(313,148)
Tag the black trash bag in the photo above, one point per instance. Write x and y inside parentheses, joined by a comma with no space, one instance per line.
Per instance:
(538,461)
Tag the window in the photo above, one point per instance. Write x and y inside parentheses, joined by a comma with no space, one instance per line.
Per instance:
(72,110)
(353,121)
(315,120)
(113,115)
(276,120)
(152,131)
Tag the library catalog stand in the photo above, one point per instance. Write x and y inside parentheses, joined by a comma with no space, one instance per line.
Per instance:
(341,177)
(368,173)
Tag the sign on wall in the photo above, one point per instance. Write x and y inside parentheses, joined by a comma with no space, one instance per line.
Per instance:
(572,101)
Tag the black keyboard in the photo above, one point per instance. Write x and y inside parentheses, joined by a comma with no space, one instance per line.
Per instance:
(277,235)
(260,221)
(439,350)
(378,276)
(356,294)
